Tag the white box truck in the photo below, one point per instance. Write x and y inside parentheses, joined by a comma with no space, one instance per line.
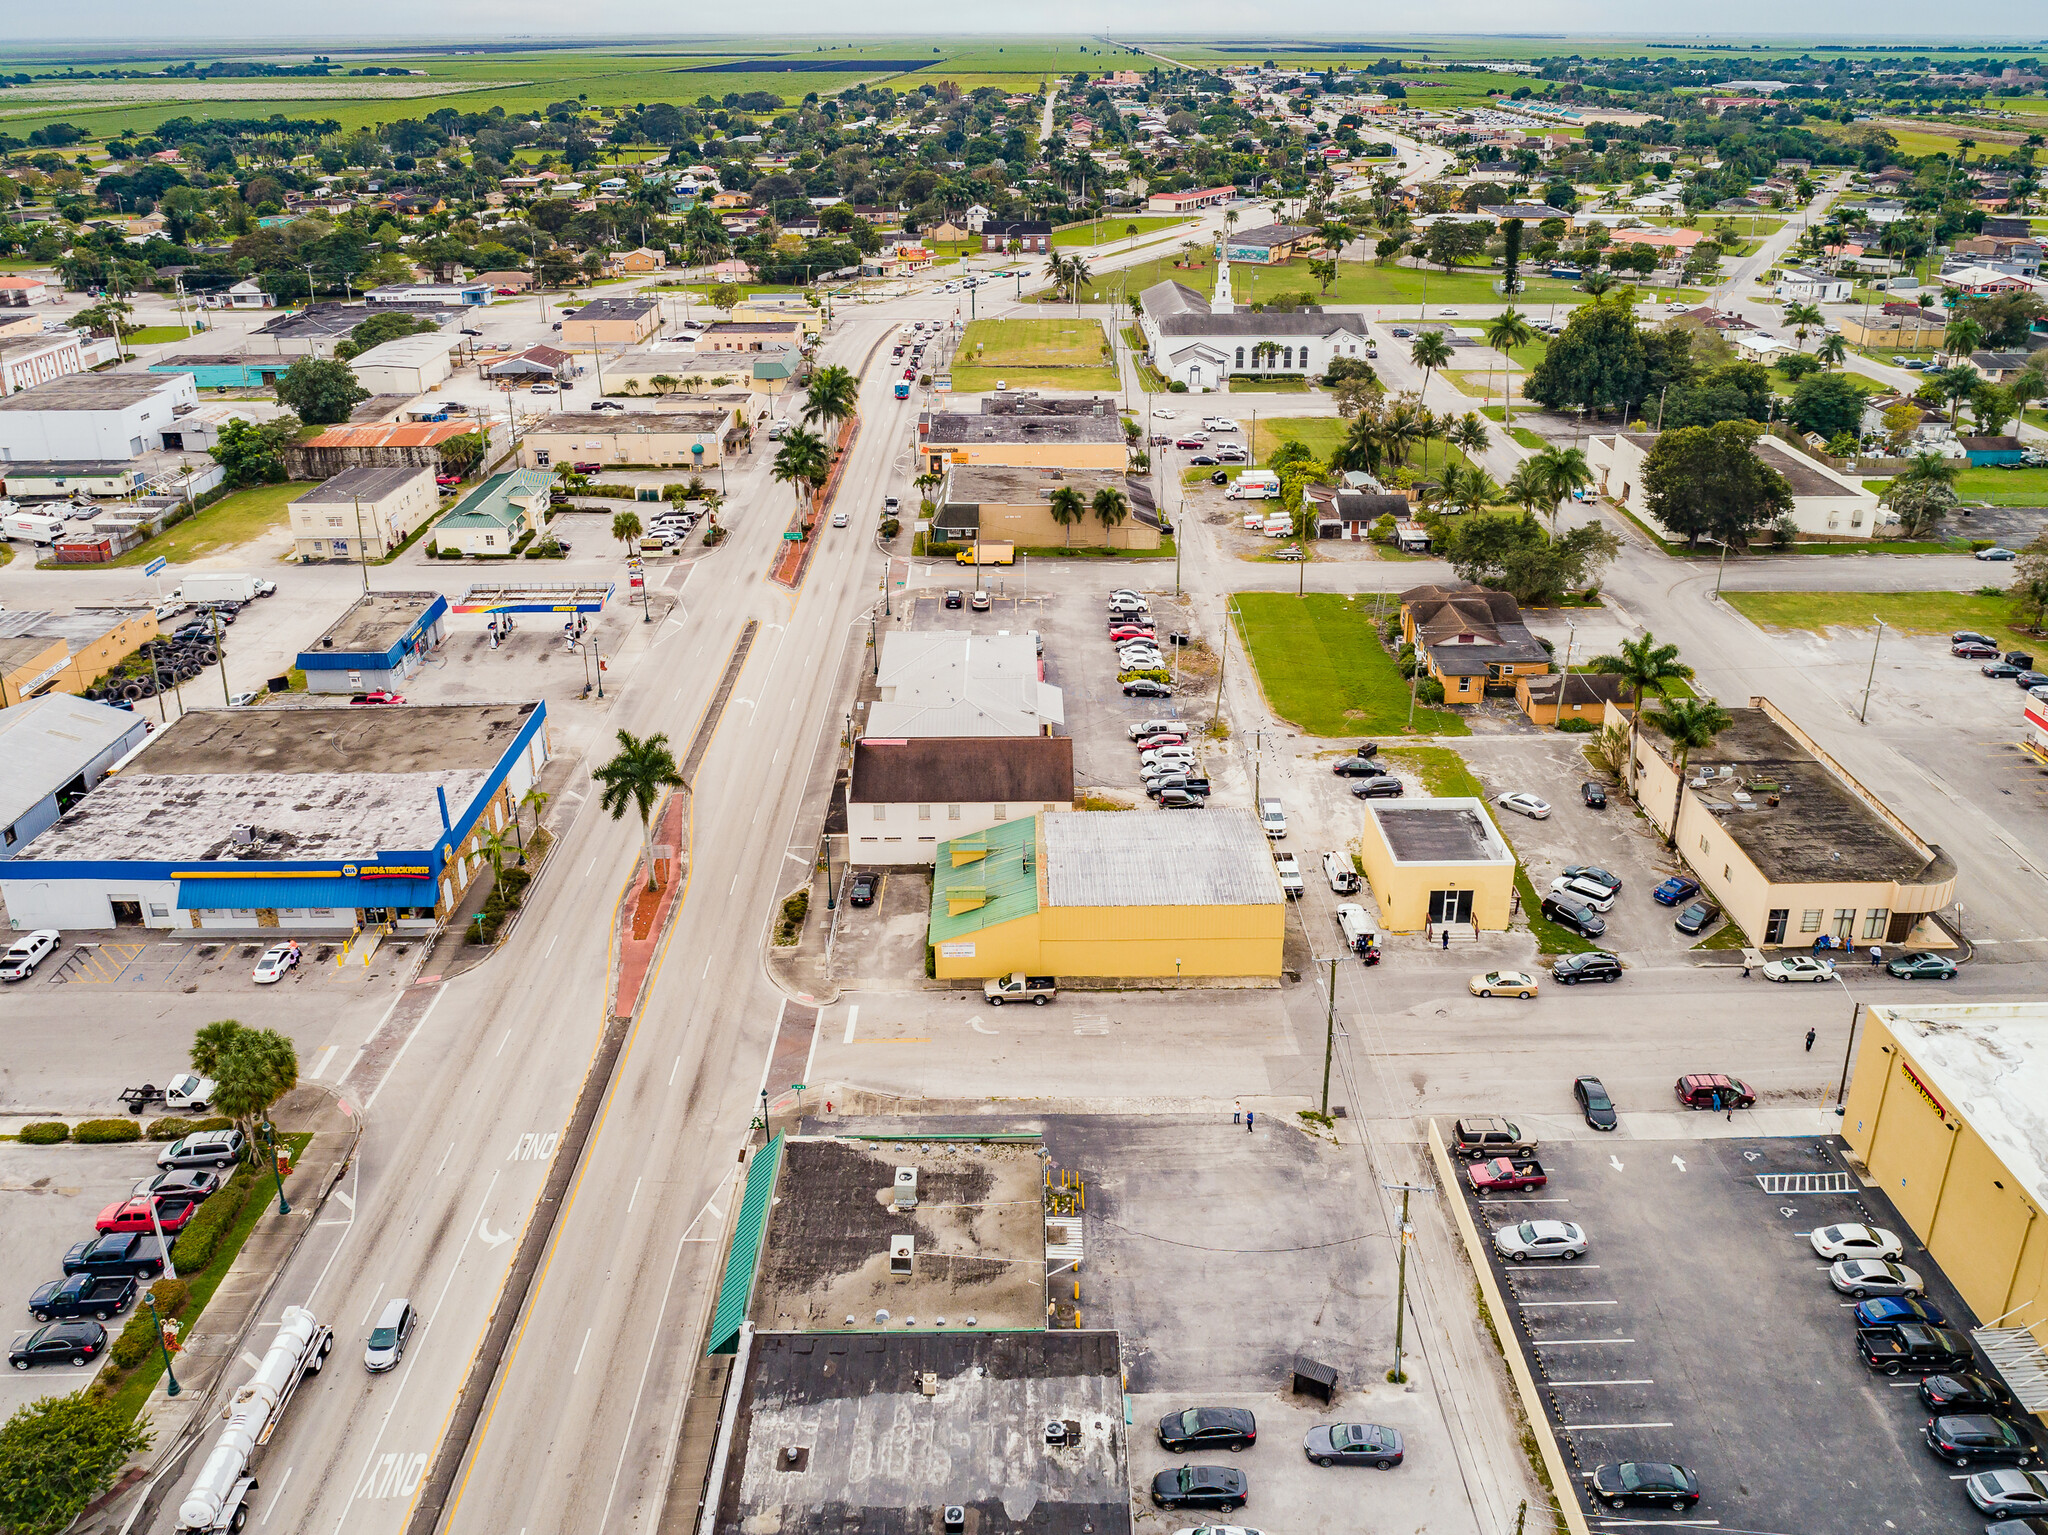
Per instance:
(222,586)
(38,528)
(1255,485)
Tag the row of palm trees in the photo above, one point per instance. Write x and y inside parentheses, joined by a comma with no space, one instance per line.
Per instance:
(1068,273)
(1689,724)
(804,459)
(1109,506)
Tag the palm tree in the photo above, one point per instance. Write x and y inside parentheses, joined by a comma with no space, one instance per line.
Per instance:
(1429,352)
(1923,492)
(1428,427)
(636,777)
(1401,430)
(802,461)
(1110,508)
(626,528)
(1963,336)
(1525,487)
(834,397)
(251,1068)
(1597,282)
(1646,667)
(1833,351)
(1690,724)
(1561,471)
(663,382)
(1067,508)
(1804,319)
(1469,435)
(1474,489)
(1504,332)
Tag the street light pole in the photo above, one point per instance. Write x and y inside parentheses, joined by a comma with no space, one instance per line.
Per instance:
(1872,678)
(171,1386)
(270,1138)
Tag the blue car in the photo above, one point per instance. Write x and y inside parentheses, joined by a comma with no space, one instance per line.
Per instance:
(1890,1309)
(1675,889)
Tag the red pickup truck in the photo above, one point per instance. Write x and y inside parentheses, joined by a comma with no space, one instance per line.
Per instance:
(1505,1174)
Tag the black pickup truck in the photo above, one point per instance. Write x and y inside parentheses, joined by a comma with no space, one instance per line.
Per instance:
(125,1253)
(1914,1347)
(95,1295)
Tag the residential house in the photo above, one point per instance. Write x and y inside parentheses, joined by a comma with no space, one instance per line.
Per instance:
(1825,504)
(1999,367)
(1528,213)
(906,795)
(633,262)
(1801,285)
(493,518)
(1470,638)
(946,232)
(1555,697)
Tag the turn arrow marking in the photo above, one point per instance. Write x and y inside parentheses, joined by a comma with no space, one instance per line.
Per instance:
(1678,1163)
(491,1238)
(1615,1163)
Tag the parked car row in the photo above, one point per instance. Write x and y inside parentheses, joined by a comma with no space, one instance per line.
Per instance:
(1196,1429)
(2016,666)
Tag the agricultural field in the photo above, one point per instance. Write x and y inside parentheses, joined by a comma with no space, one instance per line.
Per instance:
(1031,354)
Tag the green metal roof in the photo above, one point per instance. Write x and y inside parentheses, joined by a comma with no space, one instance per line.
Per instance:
(1007,877)
(490,504)
(743,1258)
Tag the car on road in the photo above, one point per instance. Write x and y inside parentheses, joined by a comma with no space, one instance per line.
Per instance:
(202,1148)
(1593,965)
(1967,1391)
(2000,670)
(1502,983)
(1678,888)
(1594,795)
(1697,917)
(171,1213)
(1974,650)
(1357,767)
(1922,967)
(1402,331)
(1145,687)
(862,891)
(1996,552)
(276,960)
(1854,1240)
(1162,415)
(1219,1487)
(1523,803)
(1798,967)
(1713,1090)
(1861,1277)
(387,1339)
(2005,1494)
(1645,1484)
(1972,1439)
(1378,788)
(1518,1243)
(77,1344)
(542,388)
(839,519)
(1594,1103)
(1889,1309)
(1573,915)
(1208,1428)
(378,696)
(27,952)
(1354,1444)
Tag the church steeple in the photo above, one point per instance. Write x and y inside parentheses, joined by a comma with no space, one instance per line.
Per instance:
(1222,302)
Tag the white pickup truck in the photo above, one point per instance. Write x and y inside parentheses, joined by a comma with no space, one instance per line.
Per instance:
(1290,874)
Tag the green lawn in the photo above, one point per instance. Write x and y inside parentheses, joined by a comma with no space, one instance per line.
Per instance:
(1322,435)
(1062,353)
(2005,487)
(1914,612)
(1324,669)
(231,521)
(1250,384)
(152,335)
(1116,227)
(1358,282)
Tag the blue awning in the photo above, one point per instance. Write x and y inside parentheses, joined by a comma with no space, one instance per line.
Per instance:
(282,892)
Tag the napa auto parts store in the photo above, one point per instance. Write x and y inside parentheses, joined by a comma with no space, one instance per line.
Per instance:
(310,818)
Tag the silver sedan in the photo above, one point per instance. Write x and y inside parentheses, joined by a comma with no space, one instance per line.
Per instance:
(1540,1239)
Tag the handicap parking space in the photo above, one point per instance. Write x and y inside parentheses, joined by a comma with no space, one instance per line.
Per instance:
(1700,1328)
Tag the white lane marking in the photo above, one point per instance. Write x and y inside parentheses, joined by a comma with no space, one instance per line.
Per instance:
(249,1359)
(852,1018)
(285,1482)
(581,1351)
(1573,1428)
(707,968)
(653,1342)
(1614,1162)
(551,945)
(1531,1305)
(392,1070)
(372,1311)
(319,1070)
(355,1174)
(593,865)
(502,1044)
(342,1197)
(444,1159)
(636,1196)
(673,1070)
(811,1054)
(1602,1383)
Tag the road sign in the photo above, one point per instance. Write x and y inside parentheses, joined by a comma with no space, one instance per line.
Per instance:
(155,565)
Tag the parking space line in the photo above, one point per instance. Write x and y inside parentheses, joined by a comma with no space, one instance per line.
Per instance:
(1602,1383)
(1577,1427)
(1561,1342)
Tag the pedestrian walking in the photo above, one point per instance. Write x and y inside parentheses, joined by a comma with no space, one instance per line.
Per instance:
(1745,969)
(1237,1111)
(1876,956)
(1809,1041)
(1447,936)
(1248,1115)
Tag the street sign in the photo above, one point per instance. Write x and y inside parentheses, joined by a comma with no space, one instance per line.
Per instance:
(155,565)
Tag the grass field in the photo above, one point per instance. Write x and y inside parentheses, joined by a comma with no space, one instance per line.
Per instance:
(151,335)
(1914,612)
(228,523)
(1358,282)
(1115,227)
(1322,435)
(1324,669)
(1251,384)
(1027,354)
(1993,487)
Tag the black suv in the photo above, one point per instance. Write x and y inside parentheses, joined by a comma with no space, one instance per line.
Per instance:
(1582,920)
(1972,1440)
(1378,788)
(1570,969)
(1208,1428)
(1199,1487)
(1967,1392)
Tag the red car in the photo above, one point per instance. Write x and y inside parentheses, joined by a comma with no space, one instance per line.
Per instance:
(1132,632)
(378,697)
(1973,650)
(1713,1089)
(172,1211)
(910,373)
(447,479)
(1191,442)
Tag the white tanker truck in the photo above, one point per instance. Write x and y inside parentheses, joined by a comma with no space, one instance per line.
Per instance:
(218,1501)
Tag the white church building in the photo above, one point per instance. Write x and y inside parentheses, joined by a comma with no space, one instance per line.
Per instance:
(1203,342)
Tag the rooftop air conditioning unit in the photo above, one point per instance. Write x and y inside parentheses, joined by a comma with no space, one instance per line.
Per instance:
(906,1188)
(245,834)
(956,1519)
(901,1251)
(1055,1431)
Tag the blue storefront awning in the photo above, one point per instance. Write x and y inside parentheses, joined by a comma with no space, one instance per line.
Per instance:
(296,894)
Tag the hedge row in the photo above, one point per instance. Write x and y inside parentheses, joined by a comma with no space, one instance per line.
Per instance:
(170,1128)
(196,1244)
(45,1132)
(100,1132)
(138,1338)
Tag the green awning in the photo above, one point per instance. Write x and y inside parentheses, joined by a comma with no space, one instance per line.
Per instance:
(743,1258)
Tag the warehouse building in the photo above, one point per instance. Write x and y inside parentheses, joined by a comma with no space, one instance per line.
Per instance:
(947,682)
(31,481)
(36,358)
(1023,430)
(384,446)
(1790,845)
(314,819)
(56,748)
(1436,864)
(97,416)
(992,504)
(1080,893)
(378,643)
(66,652)
(362,513)
(1948,1113)
(624,321)
(408,365)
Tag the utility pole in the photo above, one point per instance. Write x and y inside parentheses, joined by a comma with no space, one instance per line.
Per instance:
(1330,1034)
(1872,678)
(362,553)
(1222,666)
(1395,1375)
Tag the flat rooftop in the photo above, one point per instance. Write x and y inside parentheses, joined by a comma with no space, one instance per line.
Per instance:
(1434,831)
(36,469)
(365,482)
(1819,831)
(705,423)
(876,1455)
(1990,1060)
(1220,858)
(963,430)
(341,738)
(1003,485)
(378,621)
(91,391)
(978,1236)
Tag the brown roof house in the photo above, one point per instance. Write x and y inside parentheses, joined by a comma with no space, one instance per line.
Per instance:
(909,794)
(1471,638)
(1556,697)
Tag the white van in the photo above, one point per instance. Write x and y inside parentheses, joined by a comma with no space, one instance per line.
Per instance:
(1359,933)
(1255,485)
(1342,877)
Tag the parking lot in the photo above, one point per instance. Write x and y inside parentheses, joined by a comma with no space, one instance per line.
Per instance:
(1700,1328)
(49,1198)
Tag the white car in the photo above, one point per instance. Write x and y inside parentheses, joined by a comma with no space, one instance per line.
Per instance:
(276,960)
(1583,892)
(1525,804)
(1855,1241)
(1799,967)
(27,953)
(1540,1239)
(542,389)
(1162,415)
(839,519)
(1220,424)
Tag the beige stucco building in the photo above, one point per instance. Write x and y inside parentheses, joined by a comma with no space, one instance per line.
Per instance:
(995,504)
(1825,504)
(694,439)
(1434,863)
(1022,432)
(612,322)
(362,513)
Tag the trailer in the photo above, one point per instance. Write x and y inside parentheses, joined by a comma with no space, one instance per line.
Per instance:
(218,1502)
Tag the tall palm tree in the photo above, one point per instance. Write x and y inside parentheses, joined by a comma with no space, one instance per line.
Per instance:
(1110,508)
(1401,430)
(626,528)
(1504,332)
(1525,487)
(1429,352)
(1470,435)
(1646,667)
(1690,724)
(1473,490)
(1804,319)
(635,778)
(834,397)
(1428,427)
(1962,337)
(1561,471)
(1067,508)
(1833,351)
(802,461)
(1364,446)
(1598,282)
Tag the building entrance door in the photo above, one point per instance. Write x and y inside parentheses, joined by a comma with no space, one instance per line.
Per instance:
(1450,906)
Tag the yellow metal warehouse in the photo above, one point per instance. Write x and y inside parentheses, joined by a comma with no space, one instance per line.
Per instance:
(1098,893)
(1948,1110)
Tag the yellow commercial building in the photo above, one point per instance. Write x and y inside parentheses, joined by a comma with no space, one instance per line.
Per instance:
(1104,894)
(1948,1112)
(1435,863)
(1014,506)
(1026,432)
(66,652)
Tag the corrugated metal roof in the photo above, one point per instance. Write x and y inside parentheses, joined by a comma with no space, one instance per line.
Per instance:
(425,434)
(1207,858)
(48,741)
(744,1256)
(1006,877)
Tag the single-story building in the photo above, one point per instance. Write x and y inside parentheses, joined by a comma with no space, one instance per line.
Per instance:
(99,416)
(1024,236)
(57,748)
(1189,202)
(998,504)
(386,445)
(66,652)
(1471,638)
(32,481)
(1921,329)
(695,439)
(20,289)
(1050,434)
(632,262)
(1789,844)
(1800,285)
(235,370)
(362,513)
(2000,367)
(407,365)
(1437,863)
(536,362)
(771,306)
(29,360)
(623,321)
(491,519)
(380,642)
(1594,697)
(1269,244)
(1825,504)
(1350,514)
(454,295)
(953,683)
(327,820)
(1993,450)
(499,282)
(905,793)
(1528,213)
(752,335)
(1095,893)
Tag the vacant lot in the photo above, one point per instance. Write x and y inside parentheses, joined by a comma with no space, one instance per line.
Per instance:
(1030,354)
(1321,435)
(1913,612)
(230,522)
(1358,282)
(1324,669)
(1114,227)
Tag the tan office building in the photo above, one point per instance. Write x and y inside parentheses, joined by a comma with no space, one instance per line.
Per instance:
(992,504)
(694,439)
(1434,863)
(362,513)
(612,322)
(1026,433)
